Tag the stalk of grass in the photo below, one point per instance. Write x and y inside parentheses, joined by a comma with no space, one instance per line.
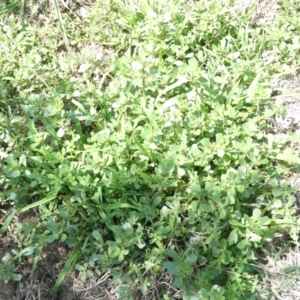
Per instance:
(8,8)
(69,266)
(8,220)
(38,203)
(62,27)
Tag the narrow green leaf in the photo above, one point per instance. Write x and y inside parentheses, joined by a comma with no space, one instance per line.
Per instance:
(61,26)
(179,82)
(35,259)
(49,124)
(253,86)
(51,157)
(80,106)
(210,238)
(30,122)
(68,267)
(38,203)
(7,221)
(118,206)
(169,103)
(10,7)
(146,176)
(142,148)
(42,80)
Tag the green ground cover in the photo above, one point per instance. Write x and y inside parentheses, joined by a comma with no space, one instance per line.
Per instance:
(156,155)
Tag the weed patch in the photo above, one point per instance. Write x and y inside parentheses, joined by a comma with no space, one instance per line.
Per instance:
(162,159)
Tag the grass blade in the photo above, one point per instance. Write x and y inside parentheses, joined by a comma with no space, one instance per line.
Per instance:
(66,270)
(30,122)
(38,203)
(7,221)
(142,148)
(10,7)
(117,206)
(35,259)
(62,27)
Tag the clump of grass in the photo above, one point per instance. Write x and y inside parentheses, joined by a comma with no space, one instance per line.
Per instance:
(169,165)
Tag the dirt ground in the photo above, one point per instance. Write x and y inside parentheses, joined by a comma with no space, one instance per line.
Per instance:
(39,286)
(54,255)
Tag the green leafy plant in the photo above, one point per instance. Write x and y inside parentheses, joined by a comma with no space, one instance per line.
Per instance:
(165,162)
(7,269)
